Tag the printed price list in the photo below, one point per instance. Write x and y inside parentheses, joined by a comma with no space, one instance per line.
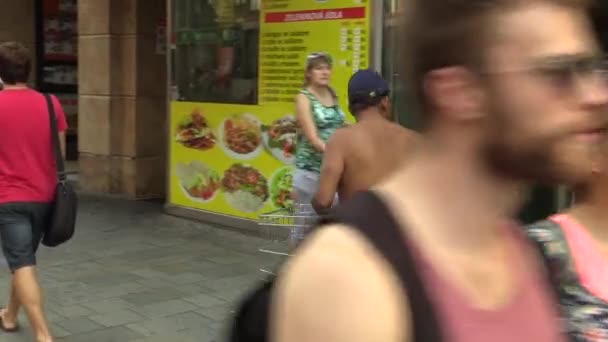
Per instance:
(287,37)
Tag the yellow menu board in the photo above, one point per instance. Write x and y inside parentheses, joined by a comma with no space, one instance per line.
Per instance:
(236,160)
(291,30)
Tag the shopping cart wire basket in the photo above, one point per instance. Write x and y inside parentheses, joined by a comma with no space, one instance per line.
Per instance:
(286,228)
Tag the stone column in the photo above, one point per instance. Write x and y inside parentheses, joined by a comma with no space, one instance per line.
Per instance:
(122,98)
(18,23)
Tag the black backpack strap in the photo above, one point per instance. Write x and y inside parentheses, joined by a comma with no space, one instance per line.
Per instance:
(367,214)
(56,144)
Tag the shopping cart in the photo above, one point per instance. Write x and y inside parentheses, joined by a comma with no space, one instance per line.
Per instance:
(285,228)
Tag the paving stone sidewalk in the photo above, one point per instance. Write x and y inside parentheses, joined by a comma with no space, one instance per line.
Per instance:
(135,274)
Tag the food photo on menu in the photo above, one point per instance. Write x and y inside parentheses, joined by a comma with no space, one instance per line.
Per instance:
(241,136)
(194,132)
(245,188)
(280,138)
(281,188)
(199,182)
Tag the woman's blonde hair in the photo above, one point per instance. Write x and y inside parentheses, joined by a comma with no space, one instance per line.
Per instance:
(314,60)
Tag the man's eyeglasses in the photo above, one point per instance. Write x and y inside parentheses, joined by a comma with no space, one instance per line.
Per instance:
(565,72)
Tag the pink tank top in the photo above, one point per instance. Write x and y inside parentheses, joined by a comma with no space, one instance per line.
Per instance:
(531,316)
(591,266)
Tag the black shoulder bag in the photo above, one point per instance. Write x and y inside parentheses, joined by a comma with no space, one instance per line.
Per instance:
(62,221)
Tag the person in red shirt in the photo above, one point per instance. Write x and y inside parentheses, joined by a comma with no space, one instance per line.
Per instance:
(27,184)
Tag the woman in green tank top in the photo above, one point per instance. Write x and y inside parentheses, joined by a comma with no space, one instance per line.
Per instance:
(319,116)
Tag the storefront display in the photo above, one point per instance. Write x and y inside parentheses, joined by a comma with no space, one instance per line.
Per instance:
(59,55)
(233,128)
(57,60)
(236,67)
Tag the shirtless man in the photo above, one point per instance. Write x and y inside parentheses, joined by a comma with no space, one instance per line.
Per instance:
(362,155)
(512,92)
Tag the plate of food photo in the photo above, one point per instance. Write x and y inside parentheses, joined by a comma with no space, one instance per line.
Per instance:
(281,184)
(241,136)
(198,181)
(194,132)
(280,138)
(245,188)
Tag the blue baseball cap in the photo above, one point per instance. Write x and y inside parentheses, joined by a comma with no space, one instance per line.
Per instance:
(365,86)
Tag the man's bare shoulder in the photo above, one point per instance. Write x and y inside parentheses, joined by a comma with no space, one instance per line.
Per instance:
(352,131)
(405,135)
(344,132)
(343,135)
(403,130)
(338,288)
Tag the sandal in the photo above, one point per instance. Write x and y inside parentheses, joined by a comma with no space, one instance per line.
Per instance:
(4,328)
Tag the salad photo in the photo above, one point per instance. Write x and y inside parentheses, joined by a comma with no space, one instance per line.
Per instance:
(194,132)
(280,188)
(245,188)
(198,181)
(280,138)
(241,136)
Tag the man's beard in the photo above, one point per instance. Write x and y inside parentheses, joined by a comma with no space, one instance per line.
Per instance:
(508,156)
(520,163)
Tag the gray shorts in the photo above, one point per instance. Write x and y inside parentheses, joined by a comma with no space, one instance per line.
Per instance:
(306,185)
(21,228)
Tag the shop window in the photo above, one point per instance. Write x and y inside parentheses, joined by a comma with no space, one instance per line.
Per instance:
(216,50)
(57,60)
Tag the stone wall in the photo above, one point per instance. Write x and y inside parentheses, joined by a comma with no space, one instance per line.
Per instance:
(122,98)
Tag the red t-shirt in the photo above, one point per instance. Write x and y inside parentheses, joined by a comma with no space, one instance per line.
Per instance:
(27,162)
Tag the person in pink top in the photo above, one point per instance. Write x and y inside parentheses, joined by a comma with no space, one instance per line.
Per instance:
(575,246)
(28,177)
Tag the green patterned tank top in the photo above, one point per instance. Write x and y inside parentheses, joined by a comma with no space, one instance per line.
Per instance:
(327,119)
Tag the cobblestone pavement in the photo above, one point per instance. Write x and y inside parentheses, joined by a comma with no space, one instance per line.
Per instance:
(135,274)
